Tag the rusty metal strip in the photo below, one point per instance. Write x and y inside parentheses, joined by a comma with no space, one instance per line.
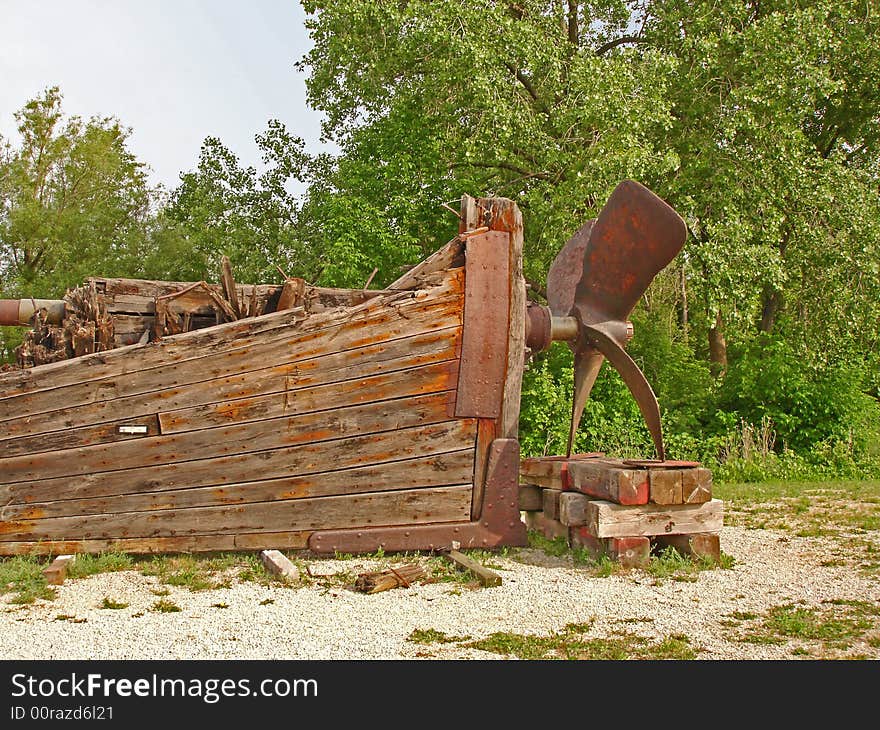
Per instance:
(486,325)
(499,525)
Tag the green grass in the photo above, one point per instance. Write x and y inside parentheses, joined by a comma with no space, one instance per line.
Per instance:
(23,577)
(165,605)
(835,626)
(432,636)
(109,603)
(107,562)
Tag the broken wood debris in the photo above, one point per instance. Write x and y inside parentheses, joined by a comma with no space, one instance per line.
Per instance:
(383,580)
(56,571)
(486,577)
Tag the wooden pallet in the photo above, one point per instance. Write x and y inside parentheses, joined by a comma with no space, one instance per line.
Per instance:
(624,509)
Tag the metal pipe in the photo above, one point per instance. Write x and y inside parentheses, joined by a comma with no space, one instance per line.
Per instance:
(20,312)
(563,328)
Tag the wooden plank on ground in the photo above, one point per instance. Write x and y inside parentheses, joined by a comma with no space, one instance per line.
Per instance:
(439,470)
(403,507)
(409,441)
(486,577)
(605,519)
(698,544)
(278,564)
(56,571)
(245,438)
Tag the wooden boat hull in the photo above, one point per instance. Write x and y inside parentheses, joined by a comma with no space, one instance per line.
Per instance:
(390,423)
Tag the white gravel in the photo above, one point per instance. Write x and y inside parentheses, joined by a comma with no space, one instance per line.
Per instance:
(539,595)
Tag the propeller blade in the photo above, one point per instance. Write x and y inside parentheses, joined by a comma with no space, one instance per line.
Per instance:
(586,368)
(635,380)
(566,270)
(635,236)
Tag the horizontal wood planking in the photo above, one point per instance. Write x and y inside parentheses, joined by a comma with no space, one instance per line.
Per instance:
(19,388)
(404,507)
(433,378)
(68,439)
(605,519)
(409,441)
(439,470)
(244,438)
(232,357)
(146,546)
(361,362)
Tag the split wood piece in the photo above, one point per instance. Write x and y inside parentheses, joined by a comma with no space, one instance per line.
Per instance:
(56,572)
(383,580)
(630,552)
(549,528)
(697,545)
(531,498)
(680,486)
(229,290)
(451,255)
(551,501)
(605,519)
(486,577)
(278,564)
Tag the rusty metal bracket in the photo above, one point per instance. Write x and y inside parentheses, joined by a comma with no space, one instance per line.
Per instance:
(499,525)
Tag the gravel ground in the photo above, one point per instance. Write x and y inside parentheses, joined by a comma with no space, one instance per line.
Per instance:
(540,594)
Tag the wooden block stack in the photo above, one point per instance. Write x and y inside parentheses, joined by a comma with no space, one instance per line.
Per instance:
(622,508)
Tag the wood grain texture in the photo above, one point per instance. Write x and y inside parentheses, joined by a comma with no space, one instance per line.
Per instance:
(426,471)
(306,459)
(605,519)
(244,439)
(87,423)
(19,390)
(416,506)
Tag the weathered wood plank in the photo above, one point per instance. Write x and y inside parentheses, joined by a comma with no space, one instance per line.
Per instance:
(427,471)
(665,486)
(409,441)
(82,424)
(531,498)
(69,439)
(552,504)
(433,378)
(279,564)
(244,438)
(444,258)
(571,507)
(547,471)
(549,528)
(630,552)
(600,480)
(151,545)
(404,507)
(605,519)
(485,329)
(18,387)
(487,578)
(697,545)
(696,485)
(56,571)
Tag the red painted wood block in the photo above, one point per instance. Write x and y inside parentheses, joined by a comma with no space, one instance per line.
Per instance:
(630,552)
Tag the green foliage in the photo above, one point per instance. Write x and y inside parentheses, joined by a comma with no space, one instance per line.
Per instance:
(23,576)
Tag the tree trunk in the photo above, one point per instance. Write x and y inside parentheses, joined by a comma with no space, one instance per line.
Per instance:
(683,314)
(717,347)
(772,305)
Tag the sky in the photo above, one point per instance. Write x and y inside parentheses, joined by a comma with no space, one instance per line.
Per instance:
(174,71)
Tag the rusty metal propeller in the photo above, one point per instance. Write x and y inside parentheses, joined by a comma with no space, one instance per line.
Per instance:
(593,285)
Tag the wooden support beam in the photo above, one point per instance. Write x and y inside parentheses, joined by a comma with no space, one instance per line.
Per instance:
(531,498)
(605,519)
(551,503)
(571,508)
(630,552)
(696,545)
(549,528)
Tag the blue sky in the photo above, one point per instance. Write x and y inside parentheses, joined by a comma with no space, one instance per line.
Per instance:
(175,71)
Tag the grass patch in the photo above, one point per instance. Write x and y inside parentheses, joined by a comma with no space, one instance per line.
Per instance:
(109,603)
(23,577)
(836,625)
(106,562)
(558,547)
(165,605)
(571,643)
(194,573)
(432,636)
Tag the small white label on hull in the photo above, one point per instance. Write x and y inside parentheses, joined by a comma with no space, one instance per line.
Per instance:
(133,429)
